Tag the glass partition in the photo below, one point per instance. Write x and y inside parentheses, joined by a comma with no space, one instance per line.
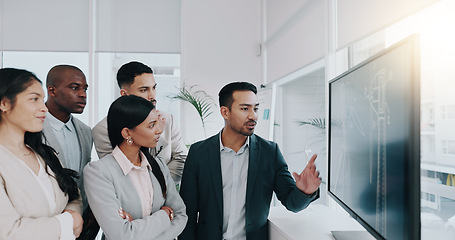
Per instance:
(300,126)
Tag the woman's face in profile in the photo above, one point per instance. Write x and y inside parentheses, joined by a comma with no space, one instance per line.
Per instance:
(28,112)
(147,134)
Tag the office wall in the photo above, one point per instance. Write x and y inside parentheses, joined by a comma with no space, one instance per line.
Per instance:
(219,45)
(295,35)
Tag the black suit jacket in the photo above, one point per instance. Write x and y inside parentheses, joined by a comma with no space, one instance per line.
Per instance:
(202,189)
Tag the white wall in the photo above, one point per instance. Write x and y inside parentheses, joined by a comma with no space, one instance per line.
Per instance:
(295,35)
(219,39)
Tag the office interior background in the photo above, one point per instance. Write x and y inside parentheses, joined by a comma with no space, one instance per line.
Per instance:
(291,48)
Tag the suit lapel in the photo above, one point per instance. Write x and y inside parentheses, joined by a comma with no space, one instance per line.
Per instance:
(52,141)
(82,143)
(215,170)
(253,166)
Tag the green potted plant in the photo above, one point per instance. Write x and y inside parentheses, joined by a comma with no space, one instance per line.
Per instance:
(199,99)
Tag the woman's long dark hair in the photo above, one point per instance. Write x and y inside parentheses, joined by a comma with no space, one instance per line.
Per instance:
(128,112)
(12,82)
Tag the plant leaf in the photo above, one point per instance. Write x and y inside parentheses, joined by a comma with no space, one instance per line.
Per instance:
(201,101)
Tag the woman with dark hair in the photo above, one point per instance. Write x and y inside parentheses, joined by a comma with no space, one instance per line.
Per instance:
(39,198)
(132,194)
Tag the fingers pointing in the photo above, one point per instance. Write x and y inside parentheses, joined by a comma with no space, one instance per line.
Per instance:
(313,158)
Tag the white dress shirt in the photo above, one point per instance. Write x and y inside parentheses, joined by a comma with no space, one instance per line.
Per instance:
(234,171)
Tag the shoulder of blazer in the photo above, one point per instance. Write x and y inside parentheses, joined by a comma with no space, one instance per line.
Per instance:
(47,130)
(79,124)
(106,163)
(255,139)
(84,133)
(50,139)
(46,124)
(202,145)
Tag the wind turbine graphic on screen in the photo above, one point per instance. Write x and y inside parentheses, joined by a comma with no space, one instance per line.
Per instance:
(377,98)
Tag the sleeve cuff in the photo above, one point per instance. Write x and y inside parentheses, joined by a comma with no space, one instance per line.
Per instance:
(66,226)
(167,223)
(314,195)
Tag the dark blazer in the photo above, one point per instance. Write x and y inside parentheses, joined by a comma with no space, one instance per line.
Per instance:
(202,189)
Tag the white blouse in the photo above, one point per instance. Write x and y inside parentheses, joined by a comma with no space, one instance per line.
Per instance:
(65,219)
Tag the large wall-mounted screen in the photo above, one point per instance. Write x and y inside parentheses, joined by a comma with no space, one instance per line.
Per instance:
(374,142)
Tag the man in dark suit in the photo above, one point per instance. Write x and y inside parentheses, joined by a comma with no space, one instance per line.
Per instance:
(228,179)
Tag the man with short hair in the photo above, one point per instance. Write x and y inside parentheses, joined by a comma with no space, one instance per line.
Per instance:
(72,140)
(135,78)
(229,178)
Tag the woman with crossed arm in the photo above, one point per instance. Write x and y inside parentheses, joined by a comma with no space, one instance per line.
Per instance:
(132,194)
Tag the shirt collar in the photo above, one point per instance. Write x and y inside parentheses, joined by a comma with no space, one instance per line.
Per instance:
(57,124)
(126,164)
(223,148)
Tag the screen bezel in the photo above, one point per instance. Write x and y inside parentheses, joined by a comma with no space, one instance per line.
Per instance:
(412,168)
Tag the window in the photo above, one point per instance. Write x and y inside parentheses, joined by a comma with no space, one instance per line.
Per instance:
(448,147)
(448,112)
(437,105)
(427,117)
(103,90)
(300,120)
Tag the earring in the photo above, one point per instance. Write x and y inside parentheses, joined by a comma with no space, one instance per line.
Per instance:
(129,140)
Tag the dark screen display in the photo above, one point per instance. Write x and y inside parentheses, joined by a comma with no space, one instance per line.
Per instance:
(372,142)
